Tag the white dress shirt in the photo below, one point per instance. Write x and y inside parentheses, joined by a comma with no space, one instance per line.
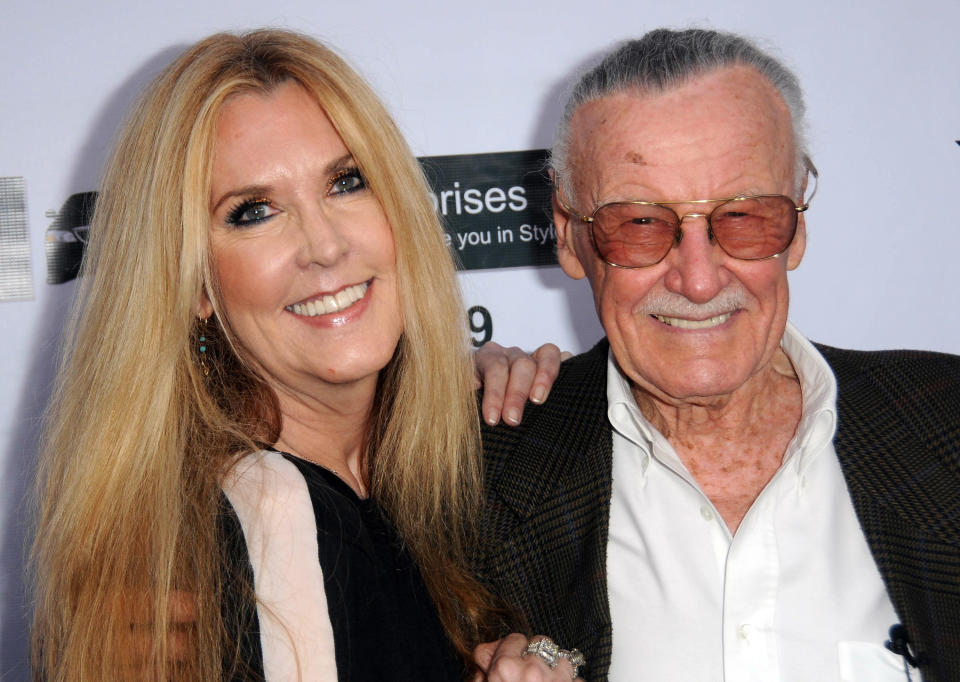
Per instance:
(793,596)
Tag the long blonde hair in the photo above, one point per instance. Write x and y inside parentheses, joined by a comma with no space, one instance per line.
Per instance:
(137,438)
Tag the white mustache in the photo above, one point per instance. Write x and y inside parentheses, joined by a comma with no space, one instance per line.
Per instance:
(670,304)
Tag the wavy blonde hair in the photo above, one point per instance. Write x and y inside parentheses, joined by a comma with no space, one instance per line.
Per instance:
(137,438)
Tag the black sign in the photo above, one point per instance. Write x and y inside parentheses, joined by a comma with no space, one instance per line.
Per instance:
(495,208)
(66,238)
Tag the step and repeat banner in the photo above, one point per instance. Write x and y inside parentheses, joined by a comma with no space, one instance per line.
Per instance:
(477,89)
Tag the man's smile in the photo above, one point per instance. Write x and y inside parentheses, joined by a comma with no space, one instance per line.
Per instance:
(682,323)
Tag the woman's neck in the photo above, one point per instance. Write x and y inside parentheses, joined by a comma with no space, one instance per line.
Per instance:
(329,431)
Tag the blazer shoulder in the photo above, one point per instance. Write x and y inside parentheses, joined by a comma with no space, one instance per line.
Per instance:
(923,386)
(583,375)
(914,364)
(558,442)
(578,392)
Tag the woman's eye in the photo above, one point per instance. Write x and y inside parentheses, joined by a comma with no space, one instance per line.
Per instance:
(250,213)
(347,181)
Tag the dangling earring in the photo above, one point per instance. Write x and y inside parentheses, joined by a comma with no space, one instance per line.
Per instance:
(203,347)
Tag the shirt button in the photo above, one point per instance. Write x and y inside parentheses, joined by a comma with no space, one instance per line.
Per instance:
(743,632)
(706,512)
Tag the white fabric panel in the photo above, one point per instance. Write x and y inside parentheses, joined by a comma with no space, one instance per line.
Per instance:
(273,504)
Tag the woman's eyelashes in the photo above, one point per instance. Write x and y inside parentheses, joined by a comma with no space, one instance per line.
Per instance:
(346,181)
(250,212)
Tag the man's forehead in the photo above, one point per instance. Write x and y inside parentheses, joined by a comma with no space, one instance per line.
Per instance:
(732,114)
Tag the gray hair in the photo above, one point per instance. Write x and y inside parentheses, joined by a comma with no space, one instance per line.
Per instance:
(664,59)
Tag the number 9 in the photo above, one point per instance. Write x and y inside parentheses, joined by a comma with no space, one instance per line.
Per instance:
(485,328)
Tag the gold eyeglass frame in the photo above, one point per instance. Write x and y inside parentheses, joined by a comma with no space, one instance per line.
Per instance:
(589,219)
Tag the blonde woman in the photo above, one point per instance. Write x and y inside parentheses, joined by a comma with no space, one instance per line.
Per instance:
(267,365)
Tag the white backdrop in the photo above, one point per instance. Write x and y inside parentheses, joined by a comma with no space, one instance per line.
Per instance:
(882,90)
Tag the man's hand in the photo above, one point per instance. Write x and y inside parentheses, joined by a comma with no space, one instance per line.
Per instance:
(501,661)
(509,376)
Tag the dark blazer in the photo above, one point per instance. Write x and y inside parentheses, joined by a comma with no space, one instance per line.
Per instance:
(548,485)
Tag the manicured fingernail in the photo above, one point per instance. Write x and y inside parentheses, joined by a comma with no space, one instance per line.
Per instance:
(493,417)
(539,394)
(512,416)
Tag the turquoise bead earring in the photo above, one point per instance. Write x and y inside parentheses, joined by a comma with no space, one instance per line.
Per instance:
(203,347)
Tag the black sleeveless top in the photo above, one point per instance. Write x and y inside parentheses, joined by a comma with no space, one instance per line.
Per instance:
(385,626)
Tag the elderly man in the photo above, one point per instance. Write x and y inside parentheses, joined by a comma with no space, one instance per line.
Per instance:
(707,495)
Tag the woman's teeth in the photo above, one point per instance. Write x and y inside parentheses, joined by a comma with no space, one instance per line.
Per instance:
(331,303)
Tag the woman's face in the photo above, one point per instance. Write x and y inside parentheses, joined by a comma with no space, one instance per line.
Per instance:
(302,252)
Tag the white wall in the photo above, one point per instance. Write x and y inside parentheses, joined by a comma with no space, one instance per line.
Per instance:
(882,91)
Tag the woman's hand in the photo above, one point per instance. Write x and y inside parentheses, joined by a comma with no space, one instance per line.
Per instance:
(510,375)
(503,661)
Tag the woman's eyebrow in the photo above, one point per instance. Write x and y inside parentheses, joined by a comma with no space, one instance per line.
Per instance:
(249,190)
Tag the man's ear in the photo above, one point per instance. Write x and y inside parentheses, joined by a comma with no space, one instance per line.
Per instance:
(798,245)
(566,253)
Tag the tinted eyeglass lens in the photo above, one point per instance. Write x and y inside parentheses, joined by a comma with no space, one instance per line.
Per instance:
(754,228)
(638,235)
(634,235)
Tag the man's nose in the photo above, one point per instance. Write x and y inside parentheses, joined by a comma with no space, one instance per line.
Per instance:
(696,262)
(321,239)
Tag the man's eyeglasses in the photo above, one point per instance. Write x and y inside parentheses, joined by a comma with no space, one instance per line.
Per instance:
(638,234)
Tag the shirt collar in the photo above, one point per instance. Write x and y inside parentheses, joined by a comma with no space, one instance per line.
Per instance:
(624,415)
(818,418)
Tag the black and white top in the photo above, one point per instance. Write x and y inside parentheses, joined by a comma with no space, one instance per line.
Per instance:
(361,612)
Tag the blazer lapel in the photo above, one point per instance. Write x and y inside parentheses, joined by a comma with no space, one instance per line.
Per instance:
(897,446)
